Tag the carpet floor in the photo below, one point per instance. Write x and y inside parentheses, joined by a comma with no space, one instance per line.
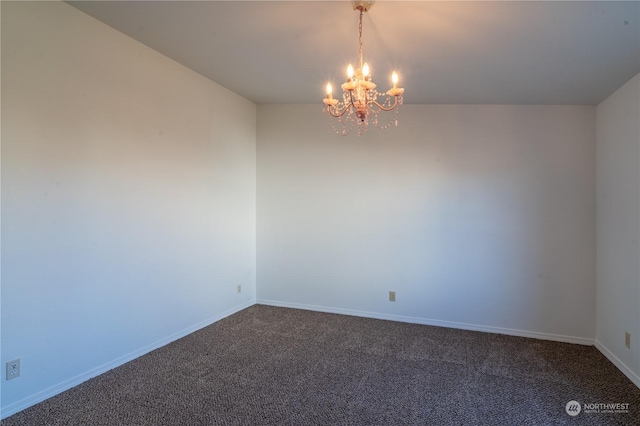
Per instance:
(278,366)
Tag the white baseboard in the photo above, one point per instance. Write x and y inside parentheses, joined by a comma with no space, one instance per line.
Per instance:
(619,364)
(427,321)
(68,384)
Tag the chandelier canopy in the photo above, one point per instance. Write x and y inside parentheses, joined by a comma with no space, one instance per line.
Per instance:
(359,102)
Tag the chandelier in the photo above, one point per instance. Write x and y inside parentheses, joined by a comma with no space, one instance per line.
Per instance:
(359,102)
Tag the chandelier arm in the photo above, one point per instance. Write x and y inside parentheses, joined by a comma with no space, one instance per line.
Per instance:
(338,113)
(382,108)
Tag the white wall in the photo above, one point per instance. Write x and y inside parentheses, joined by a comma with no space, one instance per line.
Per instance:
(479,217)
(618,227)
(128,199)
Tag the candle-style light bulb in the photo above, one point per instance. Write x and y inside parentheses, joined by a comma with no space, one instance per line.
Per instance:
(350,71)
(394,78)
(329,89)
(365,70)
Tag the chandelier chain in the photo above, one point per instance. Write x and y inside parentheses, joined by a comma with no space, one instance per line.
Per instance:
(360,30)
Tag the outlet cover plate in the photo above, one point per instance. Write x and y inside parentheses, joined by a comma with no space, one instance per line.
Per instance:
(627,339)
(13,369)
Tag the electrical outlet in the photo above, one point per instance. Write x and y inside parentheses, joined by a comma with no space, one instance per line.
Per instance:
(392,296)
(239,288)
(13,369)
(627,339)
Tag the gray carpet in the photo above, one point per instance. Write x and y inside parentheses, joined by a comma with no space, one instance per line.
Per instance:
(278,366)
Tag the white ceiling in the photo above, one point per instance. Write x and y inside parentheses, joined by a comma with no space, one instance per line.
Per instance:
(453,52)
